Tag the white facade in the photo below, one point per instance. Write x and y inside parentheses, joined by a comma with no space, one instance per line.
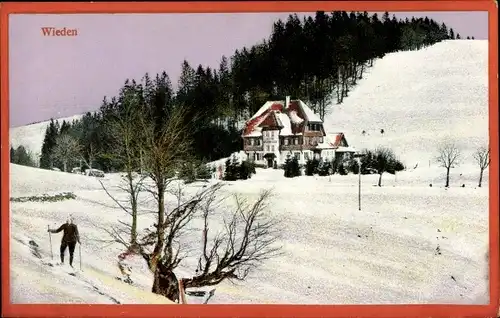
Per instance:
(302,155)
(271,142)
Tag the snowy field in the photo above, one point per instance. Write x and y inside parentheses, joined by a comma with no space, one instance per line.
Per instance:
(410,243)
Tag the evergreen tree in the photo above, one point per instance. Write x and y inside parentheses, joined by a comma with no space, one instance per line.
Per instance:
(324,168)
(295,167)
(49,142)
(203,172)
(22,157)
(231,172)
(245,170)
(287,167)
(341,169)
(311,167)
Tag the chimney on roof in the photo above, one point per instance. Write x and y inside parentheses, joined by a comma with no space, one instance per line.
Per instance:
(287,102)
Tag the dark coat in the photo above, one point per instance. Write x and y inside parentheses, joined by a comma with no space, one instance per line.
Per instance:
(70,235)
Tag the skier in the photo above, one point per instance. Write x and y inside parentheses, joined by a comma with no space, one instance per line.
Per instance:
(69,239)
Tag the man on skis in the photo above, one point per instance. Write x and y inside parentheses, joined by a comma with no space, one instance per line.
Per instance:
(69,239)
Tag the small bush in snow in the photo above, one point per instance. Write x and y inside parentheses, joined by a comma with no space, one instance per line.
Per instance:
(324,168)
(192,171)
(341,169)
(203,172)
(46,198)
(231,172)
(246,169)
(292,168)
(187,172)
(238,171)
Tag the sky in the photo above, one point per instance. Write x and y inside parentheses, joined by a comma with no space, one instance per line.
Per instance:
(54,77)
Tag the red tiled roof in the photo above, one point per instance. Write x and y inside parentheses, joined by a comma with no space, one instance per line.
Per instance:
(265,120)
(276,106)
(270,121)
(338,140)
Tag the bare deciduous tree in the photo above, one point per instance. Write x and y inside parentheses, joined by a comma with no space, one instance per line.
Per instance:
(249,237)
(245,240)
(88,154)
(67,148)
(123,148)
(482,157)
(448,157)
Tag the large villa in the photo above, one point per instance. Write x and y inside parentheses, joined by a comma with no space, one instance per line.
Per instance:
(280,129)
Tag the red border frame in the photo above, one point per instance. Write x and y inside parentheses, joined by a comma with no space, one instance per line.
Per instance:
(10,310)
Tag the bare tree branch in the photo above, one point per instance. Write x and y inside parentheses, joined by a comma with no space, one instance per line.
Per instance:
(248,239)
(66,149)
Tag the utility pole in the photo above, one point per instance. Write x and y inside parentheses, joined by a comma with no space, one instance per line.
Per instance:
(358,156)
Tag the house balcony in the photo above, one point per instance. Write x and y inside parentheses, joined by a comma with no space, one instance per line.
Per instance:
(291,147)
(250,148)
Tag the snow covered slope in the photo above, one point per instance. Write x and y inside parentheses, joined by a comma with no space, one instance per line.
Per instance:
(419,98)
(34,282)
(31,136)
(410,243)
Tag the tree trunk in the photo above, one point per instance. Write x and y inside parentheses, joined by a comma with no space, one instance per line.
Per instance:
(166,283)
(133,201)
(447,178)
(380,180)
(65,165)
(480,178)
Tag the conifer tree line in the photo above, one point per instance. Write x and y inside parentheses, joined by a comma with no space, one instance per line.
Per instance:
(318,59)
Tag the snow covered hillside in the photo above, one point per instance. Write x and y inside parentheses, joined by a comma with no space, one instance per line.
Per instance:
(419,98)
(31,136)
(410,243)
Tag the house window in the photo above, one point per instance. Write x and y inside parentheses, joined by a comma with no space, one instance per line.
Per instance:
(286,141)
(258,156)
(306,155)
(297,155)
(272,148)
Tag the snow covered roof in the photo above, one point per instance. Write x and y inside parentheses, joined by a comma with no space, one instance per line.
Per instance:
(310,115)
(285,122)
(333,141)
(347,149)
(289,119)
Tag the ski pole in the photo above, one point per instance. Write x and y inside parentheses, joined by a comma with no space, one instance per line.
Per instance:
(80,251)
(50,240)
